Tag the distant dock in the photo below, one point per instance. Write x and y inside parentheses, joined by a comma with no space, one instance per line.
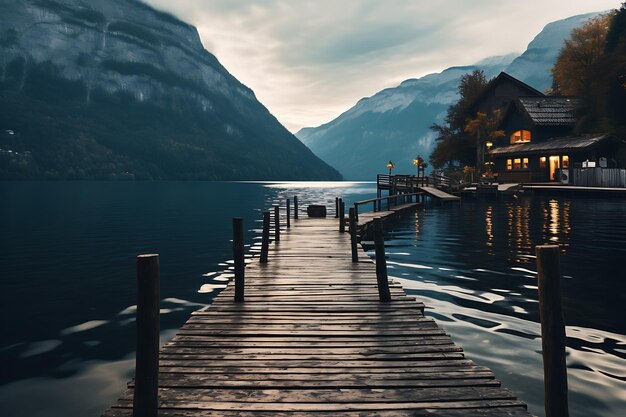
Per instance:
(312,337)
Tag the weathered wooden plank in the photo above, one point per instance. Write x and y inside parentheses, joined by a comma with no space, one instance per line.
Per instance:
(313,339)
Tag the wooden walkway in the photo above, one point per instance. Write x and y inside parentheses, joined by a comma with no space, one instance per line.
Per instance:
(439,194)
(313,339)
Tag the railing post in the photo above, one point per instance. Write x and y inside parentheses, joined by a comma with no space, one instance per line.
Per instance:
(352,228)
(276,224)
(342,216)
(288,213)
(238,257)
(295,207)
(381,263)
(265,238)
(336,207)
(145,399)
(356,212)
(552,331)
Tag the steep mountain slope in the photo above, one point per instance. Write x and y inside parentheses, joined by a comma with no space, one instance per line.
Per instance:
(115,89)
(393,124)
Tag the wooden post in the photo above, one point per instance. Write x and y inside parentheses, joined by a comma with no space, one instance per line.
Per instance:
(336,207)
(276,224)
(353,242)
(356,212)
(381,264)
(295,207)
(552,331)
(238,257)
(265,238)
(288,213)
(342,216)
(145,401)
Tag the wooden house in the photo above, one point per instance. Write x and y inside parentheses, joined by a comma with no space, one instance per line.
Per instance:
(500,92)
(538,146)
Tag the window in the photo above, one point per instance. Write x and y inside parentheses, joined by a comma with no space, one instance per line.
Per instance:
(517,163)
(565,161)
(543,162)
(520,136)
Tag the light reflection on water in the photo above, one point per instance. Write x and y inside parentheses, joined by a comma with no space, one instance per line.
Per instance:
(67,258)
(474,268)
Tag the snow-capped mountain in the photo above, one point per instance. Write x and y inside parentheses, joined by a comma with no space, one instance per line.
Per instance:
(393,124)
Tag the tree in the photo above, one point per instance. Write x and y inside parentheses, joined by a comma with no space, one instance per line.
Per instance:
(453,144)
(572,72)
(483,129)
(592,66)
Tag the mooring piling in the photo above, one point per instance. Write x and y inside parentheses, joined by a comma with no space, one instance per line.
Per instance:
(147,360)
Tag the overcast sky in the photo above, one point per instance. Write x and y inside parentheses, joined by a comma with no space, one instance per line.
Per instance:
(309,61)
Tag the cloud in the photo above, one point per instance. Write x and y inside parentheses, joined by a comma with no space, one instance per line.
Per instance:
(308,61)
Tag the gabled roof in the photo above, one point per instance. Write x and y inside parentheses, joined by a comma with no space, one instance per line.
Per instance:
(504,77)
(572,144)
(548,111)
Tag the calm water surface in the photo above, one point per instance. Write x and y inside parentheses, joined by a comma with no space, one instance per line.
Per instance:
(67,285)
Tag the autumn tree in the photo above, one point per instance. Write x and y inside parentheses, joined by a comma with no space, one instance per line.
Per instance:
(592,66)
(452,142)
(572,72)
(483,128)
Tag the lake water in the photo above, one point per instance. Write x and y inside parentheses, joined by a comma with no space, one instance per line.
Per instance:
(67,283)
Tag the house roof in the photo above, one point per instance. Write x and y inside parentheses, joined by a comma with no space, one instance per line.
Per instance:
(548,111)
(572,144)
(502,77)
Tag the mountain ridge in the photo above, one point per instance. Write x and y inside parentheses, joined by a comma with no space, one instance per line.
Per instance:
(361,140)
(101,62)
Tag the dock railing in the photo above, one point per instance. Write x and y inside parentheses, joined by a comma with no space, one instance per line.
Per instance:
(391,201)
(411,182)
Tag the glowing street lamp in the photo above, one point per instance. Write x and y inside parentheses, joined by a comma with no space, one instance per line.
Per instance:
(418,161)
(489,144)
(390,166)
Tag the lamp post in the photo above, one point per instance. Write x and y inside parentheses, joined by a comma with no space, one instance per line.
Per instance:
(488,163)
(390,166)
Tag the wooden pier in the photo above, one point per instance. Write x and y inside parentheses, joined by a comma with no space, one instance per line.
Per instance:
(312,338)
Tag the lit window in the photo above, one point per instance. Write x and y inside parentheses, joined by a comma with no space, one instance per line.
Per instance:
(543,162)
(565,161)
(517,163)
(525,163)
(520,136)
(509,164)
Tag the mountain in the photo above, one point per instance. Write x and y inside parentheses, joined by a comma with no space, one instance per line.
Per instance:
(393,124)
(113,89)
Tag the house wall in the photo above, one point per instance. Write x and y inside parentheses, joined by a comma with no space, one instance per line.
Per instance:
(534,173)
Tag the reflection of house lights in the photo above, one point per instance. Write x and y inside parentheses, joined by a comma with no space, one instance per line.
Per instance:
(489,227)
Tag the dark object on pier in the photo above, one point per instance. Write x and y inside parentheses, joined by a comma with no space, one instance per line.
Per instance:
(147,361)
(381,263)
(288,213)
(552,331)
(353,239)
(336,207)
(316,211)
(295,207)
(277,223)
(342,216)
(238,257)
(265,237)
